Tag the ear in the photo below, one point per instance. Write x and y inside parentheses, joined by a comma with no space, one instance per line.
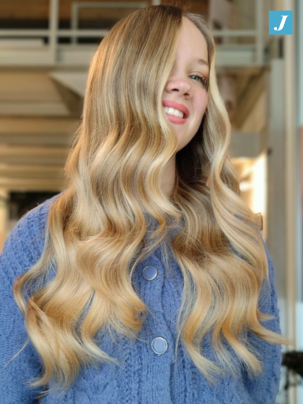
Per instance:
(259,220)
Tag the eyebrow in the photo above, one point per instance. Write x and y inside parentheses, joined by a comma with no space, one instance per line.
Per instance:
(202,62)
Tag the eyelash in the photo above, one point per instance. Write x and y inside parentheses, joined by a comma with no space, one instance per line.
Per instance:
(203,80)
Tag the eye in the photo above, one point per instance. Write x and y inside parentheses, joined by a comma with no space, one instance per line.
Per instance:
(201,79)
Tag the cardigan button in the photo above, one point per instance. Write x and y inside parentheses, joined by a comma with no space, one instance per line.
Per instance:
(159,345)
(150,273)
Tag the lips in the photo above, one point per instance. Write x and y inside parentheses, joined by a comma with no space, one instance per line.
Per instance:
(176,105)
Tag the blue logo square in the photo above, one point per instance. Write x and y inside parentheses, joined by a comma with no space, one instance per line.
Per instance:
(280,22)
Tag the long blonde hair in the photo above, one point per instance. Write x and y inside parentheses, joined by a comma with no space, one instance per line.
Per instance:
(96,229)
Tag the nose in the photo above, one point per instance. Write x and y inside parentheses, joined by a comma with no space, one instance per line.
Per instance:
(180,85)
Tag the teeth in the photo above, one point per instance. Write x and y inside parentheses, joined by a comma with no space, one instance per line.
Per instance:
(173,111)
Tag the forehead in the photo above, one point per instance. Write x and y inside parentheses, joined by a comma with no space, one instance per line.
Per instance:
(191,38)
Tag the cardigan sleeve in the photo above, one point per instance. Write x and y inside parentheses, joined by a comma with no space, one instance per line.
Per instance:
(264,388)
(18,255)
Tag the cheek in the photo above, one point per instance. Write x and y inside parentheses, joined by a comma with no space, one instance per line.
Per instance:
(202,101)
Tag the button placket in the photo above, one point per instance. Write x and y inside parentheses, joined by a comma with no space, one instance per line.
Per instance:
(151,293)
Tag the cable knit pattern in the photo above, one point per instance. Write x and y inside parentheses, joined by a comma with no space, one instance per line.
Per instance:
(143,376)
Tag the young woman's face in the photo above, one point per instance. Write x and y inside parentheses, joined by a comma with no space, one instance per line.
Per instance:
(185,90)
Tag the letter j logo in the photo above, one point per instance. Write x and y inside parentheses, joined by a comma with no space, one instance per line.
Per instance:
(280,22)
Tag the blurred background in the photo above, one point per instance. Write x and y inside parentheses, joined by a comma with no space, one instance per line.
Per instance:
(45,50)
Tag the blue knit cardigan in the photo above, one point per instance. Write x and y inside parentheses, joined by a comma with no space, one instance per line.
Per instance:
(149,373)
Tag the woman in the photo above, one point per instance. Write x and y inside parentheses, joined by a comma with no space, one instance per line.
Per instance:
(147,280)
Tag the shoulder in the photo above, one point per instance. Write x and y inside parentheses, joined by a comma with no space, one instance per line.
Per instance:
(25,242)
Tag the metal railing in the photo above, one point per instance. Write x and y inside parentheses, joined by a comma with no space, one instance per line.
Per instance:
(53,33)
(77,6)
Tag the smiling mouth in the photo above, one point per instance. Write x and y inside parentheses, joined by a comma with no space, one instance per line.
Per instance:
(175,112)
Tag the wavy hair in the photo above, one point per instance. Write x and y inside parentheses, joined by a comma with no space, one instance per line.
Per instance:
(97,228)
